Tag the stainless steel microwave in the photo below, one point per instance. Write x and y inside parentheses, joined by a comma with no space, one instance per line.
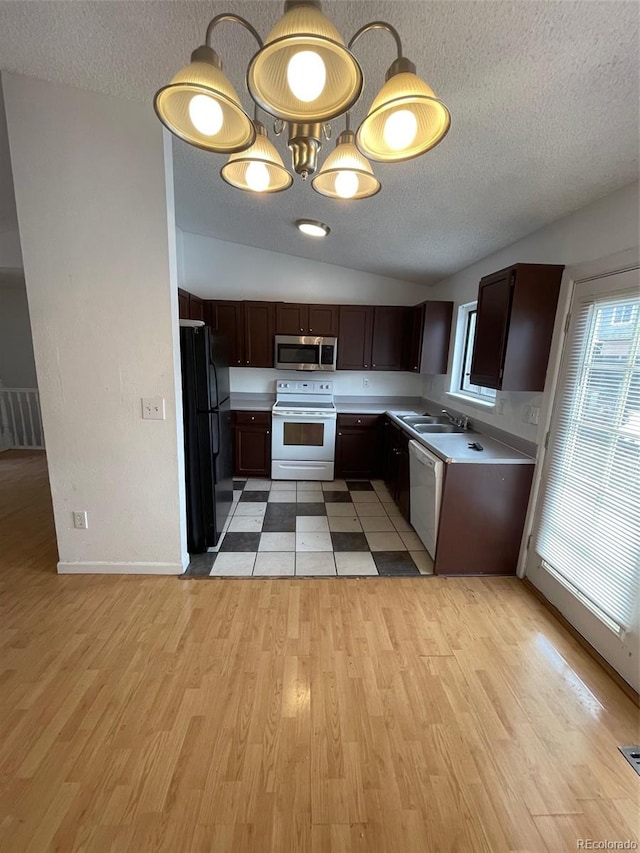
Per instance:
(305,353)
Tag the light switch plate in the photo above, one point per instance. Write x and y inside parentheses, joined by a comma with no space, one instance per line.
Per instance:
(153,408)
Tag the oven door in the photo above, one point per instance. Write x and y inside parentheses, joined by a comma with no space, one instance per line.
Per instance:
(303,437)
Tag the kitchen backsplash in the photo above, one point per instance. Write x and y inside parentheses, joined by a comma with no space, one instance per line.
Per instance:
(345,382)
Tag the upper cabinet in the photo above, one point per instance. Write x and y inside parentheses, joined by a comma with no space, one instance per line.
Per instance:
(190,307)
(227,318)
(354,337)
(428,337)
(299,319)
(388,344)
(514,327)
(259,329)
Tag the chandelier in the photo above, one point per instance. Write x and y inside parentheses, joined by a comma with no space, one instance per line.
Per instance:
(303,76)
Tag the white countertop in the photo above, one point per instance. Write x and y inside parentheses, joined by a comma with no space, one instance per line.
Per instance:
(454,446)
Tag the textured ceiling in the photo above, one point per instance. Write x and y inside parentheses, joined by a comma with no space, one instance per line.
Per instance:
(544,98)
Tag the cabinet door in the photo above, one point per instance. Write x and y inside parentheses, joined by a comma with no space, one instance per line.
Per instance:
(402,485)
(252,451)
(259,324)
(354,339)
(436,335)
(492,324)
(291,318)
(415,326)
(227,318)
(357,446)
(183,305)
(389,337)
(323,320)
(196,307)
(390,455)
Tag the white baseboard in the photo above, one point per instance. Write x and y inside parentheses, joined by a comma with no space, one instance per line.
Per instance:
(120,568)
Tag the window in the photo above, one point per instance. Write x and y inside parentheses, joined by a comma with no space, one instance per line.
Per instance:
(589,527)
(465,336)
(623,315)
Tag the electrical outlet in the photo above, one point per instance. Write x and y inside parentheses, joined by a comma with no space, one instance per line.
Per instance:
(500,407)
(534,414)
(153,408)
(80,520)
(365,381)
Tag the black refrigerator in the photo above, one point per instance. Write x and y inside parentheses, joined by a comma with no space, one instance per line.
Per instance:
(208,442)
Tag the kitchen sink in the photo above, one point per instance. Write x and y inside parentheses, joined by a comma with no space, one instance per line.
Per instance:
(426,429)
(419,420)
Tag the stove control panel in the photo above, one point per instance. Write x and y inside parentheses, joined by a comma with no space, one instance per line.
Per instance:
(284,386)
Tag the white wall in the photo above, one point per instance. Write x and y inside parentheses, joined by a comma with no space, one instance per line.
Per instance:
(216,269)
(98,241)
(605,227)
(346,383)
(17,365)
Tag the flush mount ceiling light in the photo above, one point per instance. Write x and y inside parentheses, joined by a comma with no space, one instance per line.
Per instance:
(303,75)
(313,228)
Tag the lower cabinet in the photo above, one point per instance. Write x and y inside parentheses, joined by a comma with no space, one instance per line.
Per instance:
(395,458)
(357,447)
(482,517)
(252,444)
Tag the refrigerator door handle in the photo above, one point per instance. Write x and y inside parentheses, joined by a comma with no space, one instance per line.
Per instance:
(216,450)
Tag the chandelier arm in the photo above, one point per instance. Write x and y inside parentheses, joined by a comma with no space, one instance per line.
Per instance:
(378,25)
(229,16)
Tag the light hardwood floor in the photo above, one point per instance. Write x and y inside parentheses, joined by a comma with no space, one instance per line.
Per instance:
(371,715)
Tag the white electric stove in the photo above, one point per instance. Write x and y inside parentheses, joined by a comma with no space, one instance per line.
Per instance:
(303,430)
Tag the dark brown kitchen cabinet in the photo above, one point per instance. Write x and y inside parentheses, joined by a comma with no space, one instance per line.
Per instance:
(357,446)
(298,319)
(259,326)
(482,515)
(388,342)
(183,305)
(323,320)
(226,317)
(291,318)
(428,336)
(396,464)
(514,326)
(190,306)
(252,444)
(354,337)
(196,307)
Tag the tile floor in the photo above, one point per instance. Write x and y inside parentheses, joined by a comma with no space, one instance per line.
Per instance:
(282,528)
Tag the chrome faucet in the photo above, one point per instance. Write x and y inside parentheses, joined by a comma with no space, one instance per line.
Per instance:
(463,422)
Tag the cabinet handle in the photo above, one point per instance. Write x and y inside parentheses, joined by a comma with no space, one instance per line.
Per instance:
(359,421)
(373,365)
(302,330)
(366,365)
(416,367)
(339,433)
(268,432)
(311,330)
(253,417)
(247,362)
(238,361)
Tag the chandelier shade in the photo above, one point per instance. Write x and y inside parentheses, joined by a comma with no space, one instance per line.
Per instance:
(201,106)
(346,173)
(259,168)
(406,119)
(304,72)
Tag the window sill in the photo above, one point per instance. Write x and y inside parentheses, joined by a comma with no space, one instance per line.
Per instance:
(472,401)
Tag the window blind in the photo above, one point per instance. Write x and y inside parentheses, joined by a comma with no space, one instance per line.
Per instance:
(589,525)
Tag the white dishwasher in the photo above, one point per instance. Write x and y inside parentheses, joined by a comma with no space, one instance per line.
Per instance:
(425,486)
